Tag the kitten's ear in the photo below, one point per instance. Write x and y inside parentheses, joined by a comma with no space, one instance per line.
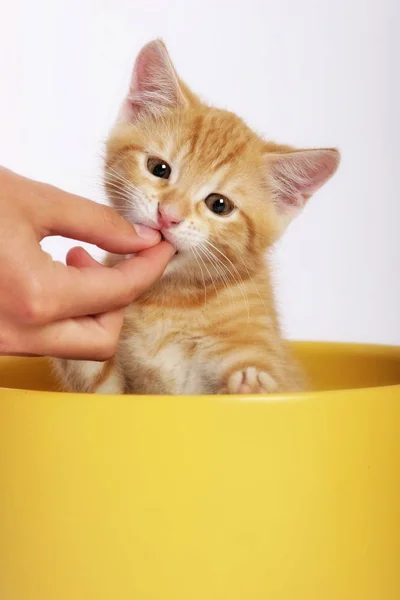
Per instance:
(154,85)
(295,176)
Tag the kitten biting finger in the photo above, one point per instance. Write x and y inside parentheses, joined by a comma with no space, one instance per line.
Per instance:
(222,196)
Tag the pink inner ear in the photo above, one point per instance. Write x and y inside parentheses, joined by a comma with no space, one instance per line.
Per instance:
(297,175)
(149,66)
(154,83)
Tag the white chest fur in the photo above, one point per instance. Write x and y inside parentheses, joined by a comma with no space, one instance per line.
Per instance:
(173,352)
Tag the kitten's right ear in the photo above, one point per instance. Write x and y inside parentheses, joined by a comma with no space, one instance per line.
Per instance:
(155,85)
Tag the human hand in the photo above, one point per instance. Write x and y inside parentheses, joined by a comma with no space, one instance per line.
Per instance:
(73,310)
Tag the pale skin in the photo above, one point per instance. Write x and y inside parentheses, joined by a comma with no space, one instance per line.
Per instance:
(73,310)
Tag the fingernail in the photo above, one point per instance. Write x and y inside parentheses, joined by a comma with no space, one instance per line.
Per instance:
(146,232)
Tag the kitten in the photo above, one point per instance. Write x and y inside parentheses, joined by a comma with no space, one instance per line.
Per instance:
(222,196)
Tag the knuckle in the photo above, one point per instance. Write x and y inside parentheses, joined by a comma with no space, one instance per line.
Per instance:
(34,307)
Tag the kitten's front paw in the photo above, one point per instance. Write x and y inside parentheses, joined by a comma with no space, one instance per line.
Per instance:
(250,381)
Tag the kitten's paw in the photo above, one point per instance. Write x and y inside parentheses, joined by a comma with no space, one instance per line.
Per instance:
(250,381)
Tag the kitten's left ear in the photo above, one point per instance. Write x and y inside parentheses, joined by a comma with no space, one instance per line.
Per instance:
(295,176)
(154,86)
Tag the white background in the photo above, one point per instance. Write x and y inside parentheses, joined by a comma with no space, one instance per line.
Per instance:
(306,72)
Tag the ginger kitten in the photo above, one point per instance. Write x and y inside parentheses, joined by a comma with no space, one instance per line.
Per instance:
(222,196)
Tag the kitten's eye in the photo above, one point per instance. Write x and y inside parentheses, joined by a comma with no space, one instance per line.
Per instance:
(220,205)
(159,168)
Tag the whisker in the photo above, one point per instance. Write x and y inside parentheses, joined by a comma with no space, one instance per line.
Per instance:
(113,182)
(247,271)
(215,288)
(202,274)
(116,187)
(117,176)
(221,272)
(255,286)
(239,280)
(223,275)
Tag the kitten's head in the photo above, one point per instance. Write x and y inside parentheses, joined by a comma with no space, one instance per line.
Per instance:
(216,191)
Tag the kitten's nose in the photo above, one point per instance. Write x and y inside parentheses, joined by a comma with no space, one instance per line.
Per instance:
(168,216)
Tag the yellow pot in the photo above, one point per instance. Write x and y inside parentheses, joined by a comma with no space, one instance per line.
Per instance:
(204,498)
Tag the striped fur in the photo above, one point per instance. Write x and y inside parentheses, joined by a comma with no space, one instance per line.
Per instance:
(210,324)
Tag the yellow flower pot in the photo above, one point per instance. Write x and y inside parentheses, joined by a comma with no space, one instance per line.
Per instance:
(286,497)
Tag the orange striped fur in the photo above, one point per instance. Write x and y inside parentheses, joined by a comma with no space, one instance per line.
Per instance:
(209,325)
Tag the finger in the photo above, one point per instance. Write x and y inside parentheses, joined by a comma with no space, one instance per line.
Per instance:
(83,338)
(77,291)
(78,257)
(144,259)
(81,219)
